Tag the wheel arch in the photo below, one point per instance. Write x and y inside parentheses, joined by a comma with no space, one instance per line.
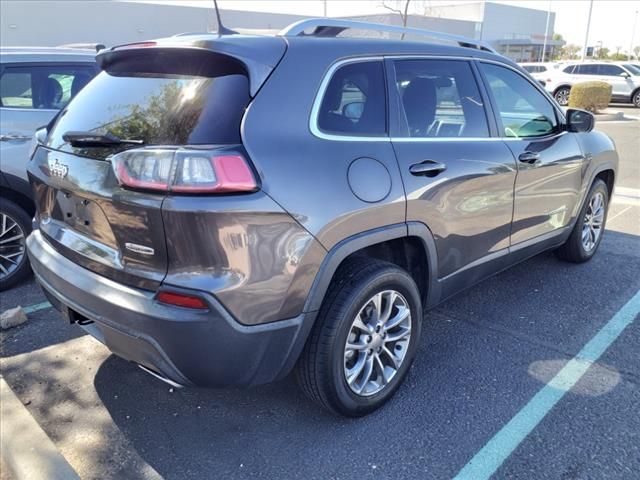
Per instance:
(18,191)
(564,85)
(408,245)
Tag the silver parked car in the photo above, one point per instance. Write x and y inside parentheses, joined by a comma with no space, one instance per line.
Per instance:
(35,83)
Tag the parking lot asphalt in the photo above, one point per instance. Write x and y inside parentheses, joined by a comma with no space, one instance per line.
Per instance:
(484,355)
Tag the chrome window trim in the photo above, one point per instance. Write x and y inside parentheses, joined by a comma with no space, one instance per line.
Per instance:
(315,109)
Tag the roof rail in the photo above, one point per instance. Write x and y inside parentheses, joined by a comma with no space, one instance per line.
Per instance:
(332,27)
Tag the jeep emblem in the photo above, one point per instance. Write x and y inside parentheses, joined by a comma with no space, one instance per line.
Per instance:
(58,169)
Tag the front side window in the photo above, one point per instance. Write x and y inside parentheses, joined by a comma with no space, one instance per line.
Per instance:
(354,101)
(42,87)
(440,98)
(610,70)
(523,110)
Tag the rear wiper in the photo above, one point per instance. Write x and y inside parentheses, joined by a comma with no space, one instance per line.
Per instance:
(90,139)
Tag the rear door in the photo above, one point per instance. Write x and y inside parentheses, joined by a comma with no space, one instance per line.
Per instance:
(549,159)
(458,177)
(157,106)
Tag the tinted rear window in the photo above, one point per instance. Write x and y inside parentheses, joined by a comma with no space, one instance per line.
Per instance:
(159,109)
(354,102)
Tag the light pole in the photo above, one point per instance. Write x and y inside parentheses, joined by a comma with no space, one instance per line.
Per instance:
(586,37)
(633,34)
(546,33)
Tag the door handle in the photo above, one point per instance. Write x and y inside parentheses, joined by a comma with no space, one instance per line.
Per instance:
(529,157)
(428,168)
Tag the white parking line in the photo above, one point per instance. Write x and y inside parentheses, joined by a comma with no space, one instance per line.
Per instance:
(36,307)
(624,210)
(487,461)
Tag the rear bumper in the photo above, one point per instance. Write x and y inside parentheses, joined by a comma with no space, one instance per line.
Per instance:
(203,348)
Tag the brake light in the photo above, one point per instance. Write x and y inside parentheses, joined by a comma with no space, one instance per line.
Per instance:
(135,45)
(182,300)
(184,171)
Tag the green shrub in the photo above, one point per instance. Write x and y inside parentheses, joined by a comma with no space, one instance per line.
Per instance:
(592,96)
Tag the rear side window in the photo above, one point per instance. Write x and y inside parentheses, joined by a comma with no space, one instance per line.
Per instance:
(523,110)
(42,87)
(158,109)
(586,70)
(354,102)
(440,98)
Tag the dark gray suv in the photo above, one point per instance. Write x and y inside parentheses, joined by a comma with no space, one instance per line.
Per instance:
(222,209)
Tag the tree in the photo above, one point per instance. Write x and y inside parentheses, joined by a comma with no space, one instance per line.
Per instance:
(636,52)
(404,13)
(603,53)
(569,52)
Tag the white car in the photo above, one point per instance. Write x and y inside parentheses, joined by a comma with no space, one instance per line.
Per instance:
(540,70)
(35,83)
(624,78)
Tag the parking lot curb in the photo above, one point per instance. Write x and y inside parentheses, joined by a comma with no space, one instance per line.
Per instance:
(27,451)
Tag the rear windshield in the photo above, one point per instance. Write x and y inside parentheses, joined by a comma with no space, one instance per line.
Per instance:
(158,109)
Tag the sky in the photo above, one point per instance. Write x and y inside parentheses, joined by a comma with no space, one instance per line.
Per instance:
(612,21)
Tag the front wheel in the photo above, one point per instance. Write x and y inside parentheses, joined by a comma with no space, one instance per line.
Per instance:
(562,96)
(636,99)
(587,233)
(364,340)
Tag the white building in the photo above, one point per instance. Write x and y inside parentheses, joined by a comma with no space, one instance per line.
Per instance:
(516,32)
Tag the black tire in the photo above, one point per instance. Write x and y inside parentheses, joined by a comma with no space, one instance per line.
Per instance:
(573,249)
(21,218)
(320,369)
(636,99)
(562,95)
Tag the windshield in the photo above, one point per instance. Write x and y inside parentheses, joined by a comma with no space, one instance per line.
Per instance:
(633,69)
(155,110)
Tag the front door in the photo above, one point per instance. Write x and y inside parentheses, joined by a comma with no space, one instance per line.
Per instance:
(548,158)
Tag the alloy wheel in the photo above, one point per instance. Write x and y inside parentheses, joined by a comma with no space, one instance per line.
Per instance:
(593,222)
(12,245)
(377,343)
(562,96)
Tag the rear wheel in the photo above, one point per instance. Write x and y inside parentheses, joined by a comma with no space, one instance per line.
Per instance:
(587,233)
(364,340)
(15,225)
(562,96)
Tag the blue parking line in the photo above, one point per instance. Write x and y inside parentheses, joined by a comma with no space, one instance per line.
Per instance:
(36,307)
(487,461)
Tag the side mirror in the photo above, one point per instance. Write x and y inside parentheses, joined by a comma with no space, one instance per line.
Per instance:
(580,120)
(624,75)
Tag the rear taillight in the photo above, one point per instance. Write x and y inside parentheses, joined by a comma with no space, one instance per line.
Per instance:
(184,170)
(178,299)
